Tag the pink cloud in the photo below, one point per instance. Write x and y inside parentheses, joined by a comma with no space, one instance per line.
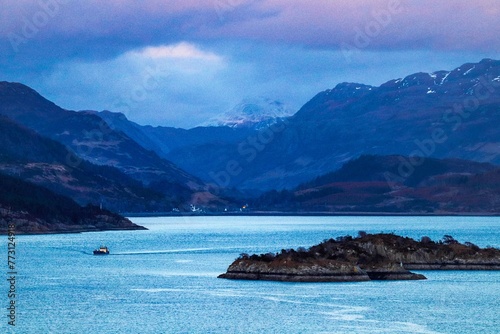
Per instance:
(391,24)
(388,24)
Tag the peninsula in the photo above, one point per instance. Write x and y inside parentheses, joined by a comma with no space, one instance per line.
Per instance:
(364,258)
(27,208)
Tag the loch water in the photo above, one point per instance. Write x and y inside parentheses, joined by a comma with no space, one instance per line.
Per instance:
(164,280)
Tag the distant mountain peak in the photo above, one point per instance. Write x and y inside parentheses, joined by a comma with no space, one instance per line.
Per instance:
(467,76)
(21,95)
(489,61)
(346,91)
(252,112)
(350,88)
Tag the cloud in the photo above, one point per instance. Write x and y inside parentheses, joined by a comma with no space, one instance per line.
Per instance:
(109,28)
(185,84)
(182,62)
(166,84)
(388,24)
(182,50)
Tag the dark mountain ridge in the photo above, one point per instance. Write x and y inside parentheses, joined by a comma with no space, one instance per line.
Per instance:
(46,162)
(88,136)
(445,114)
(90,142)
(431,115)
(431,141)
(385,184)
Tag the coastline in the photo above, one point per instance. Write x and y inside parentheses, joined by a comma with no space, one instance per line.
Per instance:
(250,214)
(306,214)
(25,223)
(77,231)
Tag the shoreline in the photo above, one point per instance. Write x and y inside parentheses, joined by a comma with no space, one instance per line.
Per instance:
(304,214)
(77,231)
(246,214)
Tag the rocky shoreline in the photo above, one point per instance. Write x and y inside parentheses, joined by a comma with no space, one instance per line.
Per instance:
(452,266)
(291,271)
(95,220)
(248,271)
(365,258)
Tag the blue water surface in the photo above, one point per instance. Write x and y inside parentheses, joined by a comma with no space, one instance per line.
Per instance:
(164,280)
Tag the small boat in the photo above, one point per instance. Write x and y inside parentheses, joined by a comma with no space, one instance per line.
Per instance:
(103,250)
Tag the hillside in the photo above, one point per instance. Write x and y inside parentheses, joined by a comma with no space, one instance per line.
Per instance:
(88,143)
(376,184)
(88,136)
(164,140)
(34,209)
(45,162)
(445,114)
(439,128)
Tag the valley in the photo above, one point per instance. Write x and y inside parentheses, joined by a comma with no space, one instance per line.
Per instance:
(423,144)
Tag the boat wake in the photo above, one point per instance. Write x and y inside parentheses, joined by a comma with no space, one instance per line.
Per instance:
(180,251)
(65,249)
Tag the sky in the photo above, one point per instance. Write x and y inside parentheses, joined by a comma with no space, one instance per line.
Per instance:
(182,62)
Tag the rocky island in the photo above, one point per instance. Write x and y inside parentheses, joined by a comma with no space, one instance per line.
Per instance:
(364,258)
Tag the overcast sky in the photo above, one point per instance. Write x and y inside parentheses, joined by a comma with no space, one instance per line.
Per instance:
(179,63)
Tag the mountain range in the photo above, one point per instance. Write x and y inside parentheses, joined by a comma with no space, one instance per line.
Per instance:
(424,143)
(78,155)
(445,114)
(43,161)
(88,136)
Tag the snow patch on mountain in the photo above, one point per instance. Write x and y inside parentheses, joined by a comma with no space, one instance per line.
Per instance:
(445,77)
(469,70)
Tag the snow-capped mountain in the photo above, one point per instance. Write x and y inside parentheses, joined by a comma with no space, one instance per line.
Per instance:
(255,112)
(443,114)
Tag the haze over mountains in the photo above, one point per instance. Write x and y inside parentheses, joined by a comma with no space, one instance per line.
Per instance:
(96,157)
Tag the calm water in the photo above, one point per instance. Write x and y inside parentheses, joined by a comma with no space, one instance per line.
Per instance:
(164,281)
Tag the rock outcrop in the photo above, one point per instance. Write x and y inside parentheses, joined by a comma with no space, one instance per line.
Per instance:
(367,257)
(290,270)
